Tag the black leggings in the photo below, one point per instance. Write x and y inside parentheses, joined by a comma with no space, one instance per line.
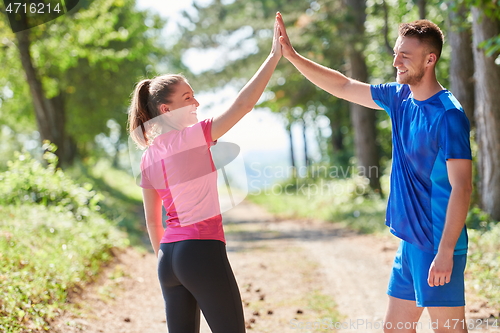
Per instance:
(196,274)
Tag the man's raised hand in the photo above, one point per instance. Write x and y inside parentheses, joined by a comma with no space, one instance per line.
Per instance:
(286,46)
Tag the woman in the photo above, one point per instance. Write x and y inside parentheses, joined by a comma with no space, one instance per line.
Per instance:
(177,170)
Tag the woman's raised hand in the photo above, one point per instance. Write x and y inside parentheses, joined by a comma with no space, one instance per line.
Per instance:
(276,47)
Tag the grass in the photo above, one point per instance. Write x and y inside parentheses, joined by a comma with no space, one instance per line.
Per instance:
(121,197)
(335,201)
(322,304)
(483,266)
(55,235)
(45,254)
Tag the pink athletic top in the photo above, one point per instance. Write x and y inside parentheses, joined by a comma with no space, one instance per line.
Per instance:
(179,166)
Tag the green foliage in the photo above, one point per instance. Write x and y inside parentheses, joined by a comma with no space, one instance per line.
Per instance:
(14,89)
(115,45)
(491,46)
(27,181)
(491,9)
(478,219)
(52,241)
(46,252)
(483,264)
(121,198)
(88,61)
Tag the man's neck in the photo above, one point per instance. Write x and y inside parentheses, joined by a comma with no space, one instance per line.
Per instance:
(426,88)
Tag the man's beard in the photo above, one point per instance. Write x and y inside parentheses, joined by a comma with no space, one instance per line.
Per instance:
(411,79)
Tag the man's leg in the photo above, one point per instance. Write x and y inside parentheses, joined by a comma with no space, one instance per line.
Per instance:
(445,303)
(402,316)
(448,319)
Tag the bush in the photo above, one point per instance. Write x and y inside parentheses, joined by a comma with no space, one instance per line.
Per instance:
(45,253)
(28,181)
(484,257)
(478,219)
(52,240)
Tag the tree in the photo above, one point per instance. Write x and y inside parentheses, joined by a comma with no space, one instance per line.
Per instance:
(487,111)
(216,27)
(462,61)
(49,112)
(363,119)
(314,28)
(76,77)
(422,10)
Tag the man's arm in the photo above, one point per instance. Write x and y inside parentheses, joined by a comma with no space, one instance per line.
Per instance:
(327,79)
(460,177)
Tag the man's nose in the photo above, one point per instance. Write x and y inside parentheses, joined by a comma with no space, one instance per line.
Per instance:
(397,61)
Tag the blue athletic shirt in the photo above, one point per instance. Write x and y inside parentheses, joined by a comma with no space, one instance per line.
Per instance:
(424,135)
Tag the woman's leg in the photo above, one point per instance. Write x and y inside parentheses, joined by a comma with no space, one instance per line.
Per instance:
(182,310)
(203,268)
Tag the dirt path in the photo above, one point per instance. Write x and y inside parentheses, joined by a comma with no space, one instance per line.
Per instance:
(289,273)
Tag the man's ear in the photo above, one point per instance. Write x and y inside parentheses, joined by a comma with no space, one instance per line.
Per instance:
(431,59)
(164,108)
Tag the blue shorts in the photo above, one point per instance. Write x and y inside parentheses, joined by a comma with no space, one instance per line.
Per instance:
(409,278)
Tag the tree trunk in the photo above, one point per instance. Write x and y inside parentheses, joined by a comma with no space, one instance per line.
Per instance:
(421,9)
(388,45)
(362,118)
(306,154)
(292,155)
(487,113)
(462,61)
(337,139)
(49,113)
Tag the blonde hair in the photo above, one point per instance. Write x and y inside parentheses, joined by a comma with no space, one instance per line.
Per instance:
(147,97)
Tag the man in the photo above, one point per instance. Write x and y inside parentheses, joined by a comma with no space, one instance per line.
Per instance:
(431,178)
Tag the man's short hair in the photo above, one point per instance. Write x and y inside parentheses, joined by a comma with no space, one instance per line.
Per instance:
(426,32)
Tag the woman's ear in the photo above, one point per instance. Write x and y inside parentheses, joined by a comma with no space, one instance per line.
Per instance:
(164,108)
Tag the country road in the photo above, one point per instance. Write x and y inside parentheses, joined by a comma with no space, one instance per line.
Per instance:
(283,268)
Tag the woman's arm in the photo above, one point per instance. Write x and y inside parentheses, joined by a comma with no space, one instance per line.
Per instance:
(153,212)
(251,92)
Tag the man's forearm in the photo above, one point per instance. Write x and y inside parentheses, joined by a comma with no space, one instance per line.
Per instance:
(326,78)
(456,214)
(334,82)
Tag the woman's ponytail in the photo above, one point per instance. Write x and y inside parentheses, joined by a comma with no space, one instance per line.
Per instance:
(139,113)
(148,95)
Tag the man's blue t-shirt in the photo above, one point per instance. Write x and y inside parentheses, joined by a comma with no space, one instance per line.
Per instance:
(424,135)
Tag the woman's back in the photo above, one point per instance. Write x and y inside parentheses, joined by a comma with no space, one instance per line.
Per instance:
(179,166)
